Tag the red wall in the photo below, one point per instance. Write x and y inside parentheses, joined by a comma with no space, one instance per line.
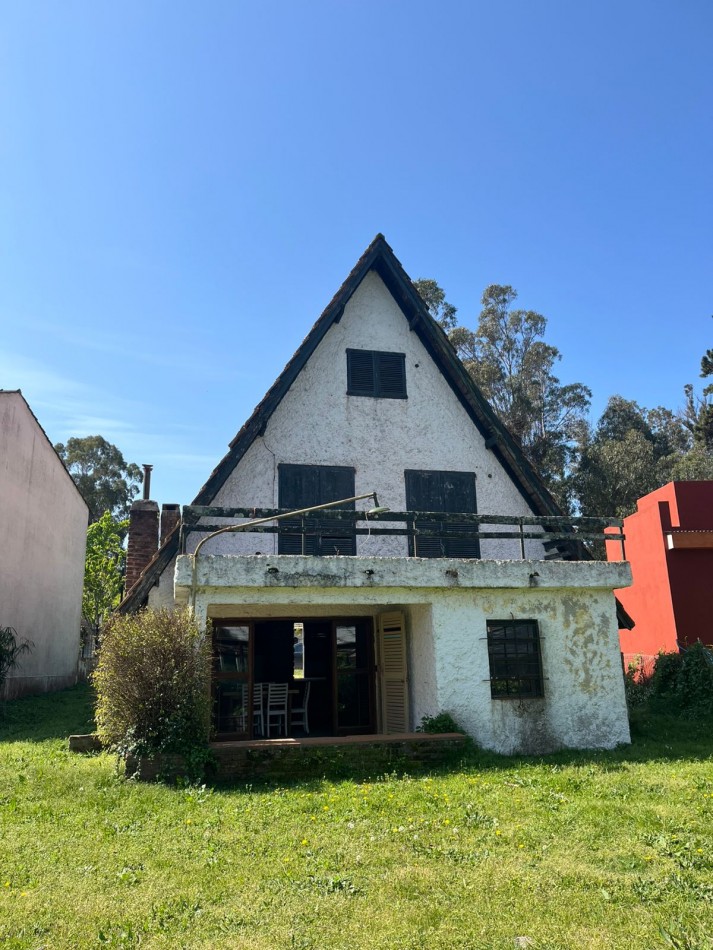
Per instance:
(671,598)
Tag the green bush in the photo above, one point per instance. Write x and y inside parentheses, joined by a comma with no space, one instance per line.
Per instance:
(11,649)
(441,723)
(638,685)
(683,682)
(153,686)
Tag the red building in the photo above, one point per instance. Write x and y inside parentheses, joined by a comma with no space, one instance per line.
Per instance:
(669,543)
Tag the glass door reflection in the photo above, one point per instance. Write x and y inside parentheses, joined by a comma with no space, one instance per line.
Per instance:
(354,667)
(231,681)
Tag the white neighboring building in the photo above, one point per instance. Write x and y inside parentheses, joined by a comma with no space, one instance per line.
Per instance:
(522,650)
(43,533)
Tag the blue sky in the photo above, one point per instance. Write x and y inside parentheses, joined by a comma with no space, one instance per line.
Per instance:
(183,187)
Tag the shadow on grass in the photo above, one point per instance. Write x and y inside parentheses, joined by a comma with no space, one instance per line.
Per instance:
(51,716)
(655,737)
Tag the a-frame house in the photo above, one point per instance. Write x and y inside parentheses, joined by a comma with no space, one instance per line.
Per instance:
(466,596)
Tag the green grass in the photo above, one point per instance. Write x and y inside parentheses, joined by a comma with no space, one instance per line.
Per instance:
(594,850)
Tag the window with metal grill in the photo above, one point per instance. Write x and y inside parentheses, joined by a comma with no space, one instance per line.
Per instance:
(514,655)
(378,374)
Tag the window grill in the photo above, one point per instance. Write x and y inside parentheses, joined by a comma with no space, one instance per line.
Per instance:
(515,661)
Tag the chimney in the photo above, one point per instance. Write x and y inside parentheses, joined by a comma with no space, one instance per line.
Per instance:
(170,516)
(147,481)
(143,533)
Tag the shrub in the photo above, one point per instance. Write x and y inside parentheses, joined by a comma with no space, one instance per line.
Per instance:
(683,682)
(153,686)
(443,722)
(11,649)
(638,685)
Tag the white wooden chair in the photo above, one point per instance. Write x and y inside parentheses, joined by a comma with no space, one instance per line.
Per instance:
(276,707)
(258,710)
(299,714)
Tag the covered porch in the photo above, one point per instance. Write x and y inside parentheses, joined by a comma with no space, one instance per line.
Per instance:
(301,673)
(403,638)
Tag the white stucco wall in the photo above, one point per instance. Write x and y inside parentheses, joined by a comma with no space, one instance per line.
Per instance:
(422,665)
(162,595)
(583,704)
(317,423)
(43,525)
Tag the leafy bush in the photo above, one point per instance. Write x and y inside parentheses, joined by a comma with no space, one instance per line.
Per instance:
(637,685)
(11,649)
(443,722)
(683,682)
(153,686)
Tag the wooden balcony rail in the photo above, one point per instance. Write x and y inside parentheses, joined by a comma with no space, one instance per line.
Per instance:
(563,537)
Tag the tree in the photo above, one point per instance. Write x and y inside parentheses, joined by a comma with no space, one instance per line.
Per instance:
(509,360)
(703,429)
(614,473)
(435,299)
(707,363)
(103,570)
(99,471)
(697,418)
(632,451)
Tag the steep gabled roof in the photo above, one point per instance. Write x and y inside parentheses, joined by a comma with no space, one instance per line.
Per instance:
(380,257)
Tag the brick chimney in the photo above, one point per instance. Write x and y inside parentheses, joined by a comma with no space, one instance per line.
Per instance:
(170,516)
(143,539)
(143,533)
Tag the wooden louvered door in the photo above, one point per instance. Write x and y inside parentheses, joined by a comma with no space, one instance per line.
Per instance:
(393,673)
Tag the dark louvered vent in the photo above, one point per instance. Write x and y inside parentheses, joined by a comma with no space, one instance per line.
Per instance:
(373,373)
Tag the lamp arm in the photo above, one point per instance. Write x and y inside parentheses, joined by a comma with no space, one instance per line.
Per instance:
(251,524)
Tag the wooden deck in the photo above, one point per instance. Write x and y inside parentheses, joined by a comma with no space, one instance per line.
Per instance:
(309,742)
(312,757)
(315,757)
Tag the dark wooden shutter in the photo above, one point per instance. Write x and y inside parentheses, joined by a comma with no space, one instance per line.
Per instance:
(459,496)
(391,375)
(424,493)
(360,373)
(302,486)
(336,482)
(298,488)
(373,373)
(450,492)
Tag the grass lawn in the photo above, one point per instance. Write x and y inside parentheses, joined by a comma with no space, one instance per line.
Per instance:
(594,850)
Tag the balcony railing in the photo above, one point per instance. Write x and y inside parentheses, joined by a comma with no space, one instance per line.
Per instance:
(562,537)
